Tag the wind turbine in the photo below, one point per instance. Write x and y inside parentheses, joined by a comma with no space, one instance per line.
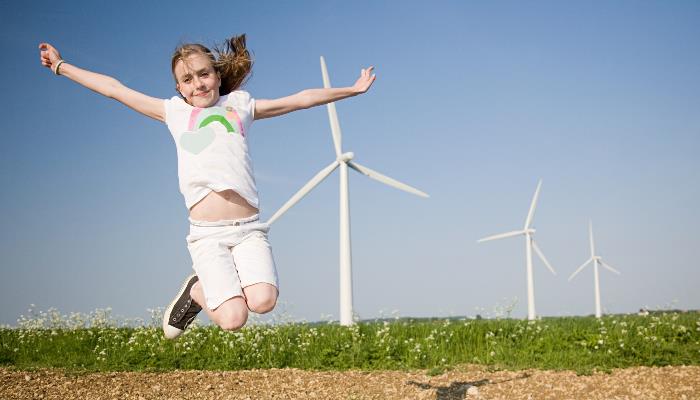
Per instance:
(530,244)
(342,160)
(596,260)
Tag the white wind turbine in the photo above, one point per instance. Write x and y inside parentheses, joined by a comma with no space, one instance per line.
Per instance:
(343,160)
(530,244)
(596,260)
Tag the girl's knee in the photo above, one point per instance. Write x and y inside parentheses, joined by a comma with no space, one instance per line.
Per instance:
(233,324)
(232,317)
(262,304)
(261,297)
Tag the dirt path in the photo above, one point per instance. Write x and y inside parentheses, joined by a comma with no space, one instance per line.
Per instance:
(467,382)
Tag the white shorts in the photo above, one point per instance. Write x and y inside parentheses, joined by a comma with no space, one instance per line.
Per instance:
(230,255)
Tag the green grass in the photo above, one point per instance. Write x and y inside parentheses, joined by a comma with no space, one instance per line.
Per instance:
(583,344)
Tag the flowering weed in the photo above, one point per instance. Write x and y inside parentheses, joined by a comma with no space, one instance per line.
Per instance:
(100,342)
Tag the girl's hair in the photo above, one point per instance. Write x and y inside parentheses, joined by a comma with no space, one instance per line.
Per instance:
(233,61)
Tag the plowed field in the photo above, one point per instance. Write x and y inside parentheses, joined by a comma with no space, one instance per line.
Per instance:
(466,382)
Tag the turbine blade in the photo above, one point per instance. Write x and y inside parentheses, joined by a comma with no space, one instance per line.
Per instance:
(539,253)
(332,114)
(590,236)
(385,179)
(580,268)
(609,267)
(533,205)
(304,190)
(501,236)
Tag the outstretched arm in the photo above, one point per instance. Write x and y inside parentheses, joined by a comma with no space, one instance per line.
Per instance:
(102,84)
(312,97)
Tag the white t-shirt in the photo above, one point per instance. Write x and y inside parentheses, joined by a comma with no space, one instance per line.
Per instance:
(212,150)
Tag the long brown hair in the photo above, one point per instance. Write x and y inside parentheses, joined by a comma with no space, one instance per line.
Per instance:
(233,61)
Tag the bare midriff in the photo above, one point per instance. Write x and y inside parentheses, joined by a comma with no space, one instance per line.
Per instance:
(217,206)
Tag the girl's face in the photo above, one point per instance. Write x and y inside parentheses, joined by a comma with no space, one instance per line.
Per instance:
(197,80)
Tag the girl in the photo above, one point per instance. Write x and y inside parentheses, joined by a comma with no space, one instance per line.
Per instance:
(232,259)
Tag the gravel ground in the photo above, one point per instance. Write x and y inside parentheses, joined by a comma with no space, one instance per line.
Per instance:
(466,382)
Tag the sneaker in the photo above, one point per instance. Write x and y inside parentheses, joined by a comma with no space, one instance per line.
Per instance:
(182,311)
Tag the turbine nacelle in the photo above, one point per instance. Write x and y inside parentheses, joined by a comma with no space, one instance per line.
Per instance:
(345,157)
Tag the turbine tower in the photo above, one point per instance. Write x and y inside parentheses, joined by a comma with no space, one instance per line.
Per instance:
(343,160)
(530,244)
(596,260)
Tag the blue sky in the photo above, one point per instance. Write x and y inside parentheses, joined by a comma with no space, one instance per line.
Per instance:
(473,103)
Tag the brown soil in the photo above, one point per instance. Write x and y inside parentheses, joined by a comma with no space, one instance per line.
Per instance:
(467,382)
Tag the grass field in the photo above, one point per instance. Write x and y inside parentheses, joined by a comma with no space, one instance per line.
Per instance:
(582,344)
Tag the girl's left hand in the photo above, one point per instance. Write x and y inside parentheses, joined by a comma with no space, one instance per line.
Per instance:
(364,81)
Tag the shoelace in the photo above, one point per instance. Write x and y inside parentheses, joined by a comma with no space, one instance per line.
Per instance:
(188,312)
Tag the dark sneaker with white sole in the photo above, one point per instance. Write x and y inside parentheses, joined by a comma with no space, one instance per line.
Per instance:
(182,311)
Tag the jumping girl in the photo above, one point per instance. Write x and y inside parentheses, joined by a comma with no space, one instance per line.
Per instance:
(210,121)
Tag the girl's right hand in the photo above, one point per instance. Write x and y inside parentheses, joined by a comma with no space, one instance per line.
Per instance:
(49,56)
(103,84)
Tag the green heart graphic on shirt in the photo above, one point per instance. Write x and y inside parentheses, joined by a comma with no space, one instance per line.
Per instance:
(195,142)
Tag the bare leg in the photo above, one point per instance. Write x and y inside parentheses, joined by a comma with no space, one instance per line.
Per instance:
(261,297)
(231,315)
